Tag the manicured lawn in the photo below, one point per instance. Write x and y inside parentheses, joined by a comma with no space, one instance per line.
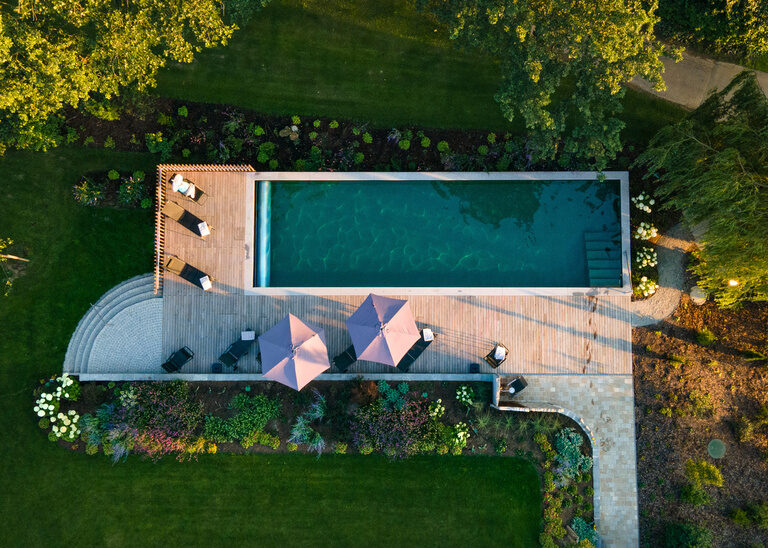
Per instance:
(373,60)
(51,497)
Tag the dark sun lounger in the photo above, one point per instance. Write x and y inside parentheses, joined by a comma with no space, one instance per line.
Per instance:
(236,350)
(412,355)
(178,359)
(345,359)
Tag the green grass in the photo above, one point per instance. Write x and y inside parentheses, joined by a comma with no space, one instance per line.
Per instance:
(52,497)
(375,61)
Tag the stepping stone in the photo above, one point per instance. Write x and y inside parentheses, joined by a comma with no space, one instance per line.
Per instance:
(698,296)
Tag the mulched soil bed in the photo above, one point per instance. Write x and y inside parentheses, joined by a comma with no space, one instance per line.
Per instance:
(669,366)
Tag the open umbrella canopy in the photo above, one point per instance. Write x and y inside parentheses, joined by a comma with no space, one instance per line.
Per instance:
(293,352)
(383,329)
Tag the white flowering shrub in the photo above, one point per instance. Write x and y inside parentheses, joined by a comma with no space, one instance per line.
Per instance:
(436,409)
(460,436)
(646,231)
(645,287)
(643,202)
(63,425)
(465,395)
(646,257)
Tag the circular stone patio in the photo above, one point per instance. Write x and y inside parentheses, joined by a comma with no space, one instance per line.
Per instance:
(131,342)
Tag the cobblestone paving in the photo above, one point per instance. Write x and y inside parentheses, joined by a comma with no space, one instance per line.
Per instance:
(605,404)
(131,341)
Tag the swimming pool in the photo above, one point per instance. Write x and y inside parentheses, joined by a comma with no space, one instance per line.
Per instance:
(463,230)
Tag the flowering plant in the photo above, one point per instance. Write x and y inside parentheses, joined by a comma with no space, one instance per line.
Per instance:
(643,202)
(65,426)
(646,287)
(395,432)
(436,409)
(646,256)
(460,436)
(465,395)
(646,231)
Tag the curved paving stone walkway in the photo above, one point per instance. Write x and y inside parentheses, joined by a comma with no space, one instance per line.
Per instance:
(605,407)
(672,248)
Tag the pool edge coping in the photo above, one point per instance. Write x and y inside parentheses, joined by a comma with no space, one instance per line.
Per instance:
(251,289)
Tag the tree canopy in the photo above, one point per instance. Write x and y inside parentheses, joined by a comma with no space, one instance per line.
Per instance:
(714,169)
(61,52)
(734,27)
(564,65)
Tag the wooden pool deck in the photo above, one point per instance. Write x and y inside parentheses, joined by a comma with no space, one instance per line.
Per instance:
(581,334)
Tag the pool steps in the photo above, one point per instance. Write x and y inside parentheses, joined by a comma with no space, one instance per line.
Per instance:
(603,258)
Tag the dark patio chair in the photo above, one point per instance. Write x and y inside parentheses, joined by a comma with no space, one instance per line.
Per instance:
(514,387)
(491,359)
(345,359)
(404,365)
(178,359)
(238,349)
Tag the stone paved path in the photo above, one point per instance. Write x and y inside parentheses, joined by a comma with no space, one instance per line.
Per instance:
(671,248)
(606,406)
(690,81)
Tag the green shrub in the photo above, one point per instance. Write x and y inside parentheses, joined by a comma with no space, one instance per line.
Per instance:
(740,517)
(404,144)
(157,144)
(186,153)
(745,429)
(291,446)
(700,404)
(182,111)
(700,472)
(91,449)
(334,124)
(482,150)
(687,535)
(72,135)
(340,448)
(694,494)
(426,142)
(258,131)
(758,512)
(130,192)
(572,461)
(146,203)
(266,150)
(367,449)
(358,158)
(254,412)
(393,398)
(316,123)
(584,530)
(705,337)
(109,142)
(295,120)
(89,140)
(88,193)
(355,131)
(216,429)
(443,147)
(367,138)
(113,175)
(312,135)
(273,164)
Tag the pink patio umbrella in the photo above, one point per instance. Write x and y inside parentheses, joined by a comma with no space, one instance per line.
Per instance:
(383,329)
(293,352)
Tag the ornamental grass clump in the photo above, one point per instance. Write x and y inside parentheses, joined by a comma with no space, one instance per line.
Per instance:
(302,432)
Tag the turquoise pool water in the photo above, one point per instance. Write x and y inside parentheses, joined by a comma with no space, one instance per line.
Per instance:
(445,234)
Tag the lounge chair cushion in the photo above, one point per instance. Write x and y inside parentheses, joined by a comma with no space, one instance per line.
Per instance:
(173,210)
(174,264)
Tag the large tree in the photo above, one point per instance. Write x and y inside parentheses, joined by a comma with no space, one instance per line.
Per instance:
(714,169)
(64,52)
(564,64)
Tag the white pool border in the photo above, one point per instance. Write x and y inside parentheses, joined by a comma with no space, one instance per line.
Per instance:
(533,176)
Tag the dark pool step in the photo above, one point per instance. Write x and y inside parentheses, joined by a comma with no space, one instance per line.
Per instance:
(603,258)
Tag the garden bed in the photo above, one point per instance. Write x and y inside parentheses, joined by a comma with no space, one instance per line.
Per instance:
(185,420)
(699,377)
